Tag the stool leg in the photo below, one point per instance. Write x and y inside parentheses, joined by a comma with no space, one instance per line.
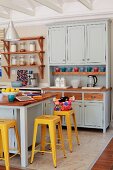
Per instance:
(5,138)
(58,130)
(61,137)
(76,131)
(52,132)
(69,131)
(17,138)
(43,137)
(34,141)
(1,147)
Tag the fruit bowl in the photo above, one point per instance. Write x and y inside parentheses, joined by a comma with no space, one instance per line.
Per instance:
(9,93)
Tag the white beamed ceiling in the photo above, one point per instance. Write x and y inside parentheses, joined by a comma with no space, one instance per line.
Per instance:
(46,11)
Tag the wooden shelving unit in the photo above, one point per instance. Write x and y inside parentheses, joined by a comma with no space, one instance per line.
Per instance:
(79,73)
(7,55)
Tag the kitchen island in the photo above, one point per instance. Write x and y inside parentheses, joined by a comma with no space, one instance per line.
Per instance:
(21,111)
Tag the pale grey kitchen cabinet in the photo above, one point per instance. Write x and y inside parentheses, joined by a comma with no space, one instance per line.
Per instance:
(77,107)
(93,114)
(96,43)
(57,45)
(76,44)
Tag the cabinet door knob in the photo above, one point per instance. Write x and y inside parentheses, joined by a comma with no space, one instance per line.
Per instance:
(85,106)
(88,59)
(80,106)
(83,59)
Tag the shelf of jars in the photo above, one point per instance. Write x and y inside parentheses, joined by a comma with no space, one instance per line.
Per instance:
(79,73)
(12,49)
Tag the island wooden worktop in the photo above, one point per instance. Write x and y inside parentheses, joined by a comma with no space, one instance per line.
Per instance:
(4,100)
(77,89)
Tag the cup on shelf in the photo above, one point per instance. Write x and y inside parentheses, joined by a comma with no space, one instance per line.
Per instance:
(63,69)
(102,69)
(89,69)
(57,69)
(70,69)
(76,69)
(95,69)
(82,69)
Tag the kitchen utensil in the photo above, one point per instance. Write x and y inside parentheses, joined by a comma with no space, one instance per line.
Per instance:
(16,83)
(89,69)
(76,69)
(92,81)
(75,83)
(96,69)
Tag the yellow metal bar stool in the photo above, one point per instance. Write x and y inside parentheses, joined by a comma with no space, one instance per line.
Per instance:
(68,115)
(5,125)
(51,121)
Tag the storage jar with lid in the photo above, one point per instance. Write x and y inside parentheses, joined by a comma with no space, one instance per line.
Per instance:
(13,47)
(32,60)
(22,60)
(32,46)
(14,60)
(22,46)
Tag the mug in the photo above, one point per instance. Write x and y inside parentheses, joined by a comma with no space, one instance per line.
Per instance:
(82,69)
(11,97)
(57,69)
(89,69)
(70,69)
(102,69)
(63,69)
(76,69)
(96,69)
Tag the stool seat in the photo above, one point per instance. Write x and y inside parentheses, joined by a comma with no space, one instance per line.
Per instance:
(68,115)
(51,121)
(5,125)
(47,119)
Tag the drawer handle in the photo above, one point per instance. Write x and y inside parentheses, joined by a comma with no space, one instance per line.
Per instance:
(85,106)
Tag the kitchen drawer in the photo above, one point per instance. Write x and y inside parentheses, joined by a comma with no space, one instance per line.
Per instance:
(93,96)
(78,96)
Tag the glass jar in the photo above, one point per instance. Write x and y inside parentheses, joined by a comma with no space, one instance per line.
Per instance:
(13,47)
(32,60)
(14,60)
(22,47)
(32,46)
(22,61)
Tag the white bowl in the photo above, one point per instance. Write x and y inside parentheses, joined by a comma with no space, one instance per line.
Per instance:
(9,93)
(75,83)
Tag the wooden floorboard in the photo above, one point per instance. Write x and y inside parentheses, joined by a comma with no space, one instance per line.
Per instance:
(105,161)
(3,168)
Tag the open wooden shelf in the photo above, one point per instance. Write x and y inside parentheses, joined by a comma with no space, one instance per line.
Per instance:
(7,55)
(24,52)
(79,73)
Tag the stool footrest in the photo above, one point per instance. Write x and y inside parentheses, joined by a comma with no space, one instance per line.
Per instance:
(42,151)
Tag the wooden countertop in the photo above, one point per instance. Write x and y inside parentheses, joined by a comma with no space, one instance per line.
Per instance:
(77,89)
(4,100)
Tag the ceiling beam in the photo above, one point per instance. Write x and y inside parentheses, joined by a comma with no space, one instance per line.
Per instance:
(51,4)
(87,3)
(16,7)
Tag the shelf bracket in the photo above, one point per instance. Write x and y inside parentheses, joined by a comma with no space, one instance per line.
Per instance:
(41,57)
(41,70)
(7,70)
(40,41)
(6,45)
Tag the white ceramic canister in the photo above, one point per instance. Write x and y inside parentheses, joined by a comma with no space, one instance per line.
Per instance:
(13,47)
(57,82)
(32,46)
(22,61)
(14,60)
(62,82)
(32,60)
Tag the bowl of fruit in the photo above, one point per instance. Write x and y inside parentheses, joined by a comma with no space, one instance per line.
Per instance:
(10,91)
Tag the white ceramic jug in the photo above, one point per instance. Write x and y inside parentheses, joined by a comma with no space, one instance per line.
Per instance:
(57,82)
(62,82)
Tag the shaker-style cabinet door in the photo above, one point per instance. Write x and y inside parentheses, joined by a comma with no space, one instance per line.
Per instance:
(76,44)
(93,114)
(96,43)
(77,107)
(57,45)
